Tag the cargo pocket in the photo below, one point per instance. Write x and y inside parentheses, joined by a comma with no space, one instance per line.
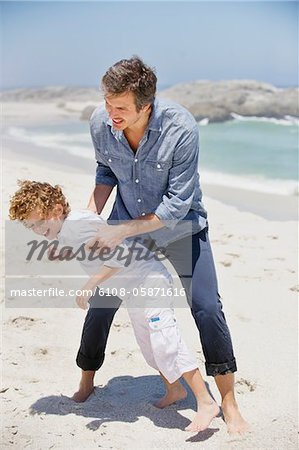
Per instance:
(164,339)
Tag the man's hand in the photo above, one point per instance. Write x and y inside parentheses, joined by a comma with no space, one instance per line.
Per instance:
(108,236)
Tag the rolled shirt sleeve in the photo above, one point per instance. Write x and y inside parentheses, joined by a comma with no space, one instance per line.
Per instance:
(183,176)
(104,174)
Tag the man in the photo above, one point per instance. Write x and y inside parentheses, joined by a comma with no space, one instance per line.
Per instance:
(149,149)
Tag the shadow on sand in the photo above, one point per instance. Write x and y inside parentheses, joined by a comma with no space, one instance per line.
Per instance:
(124,399)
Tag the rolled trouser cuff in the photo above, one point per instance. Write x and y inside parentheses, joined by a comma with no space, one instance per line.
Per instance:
(87,363)
(221,369)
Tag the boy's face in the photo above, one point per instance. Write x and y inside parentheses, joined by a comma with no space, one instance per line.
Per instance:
(48,226)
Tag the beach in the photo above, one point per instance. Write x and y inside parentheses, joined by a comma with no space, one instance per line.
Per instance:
(254,240)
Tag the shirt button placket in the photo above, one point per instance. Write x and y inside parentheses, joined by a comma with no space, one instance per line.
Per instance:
(135,171)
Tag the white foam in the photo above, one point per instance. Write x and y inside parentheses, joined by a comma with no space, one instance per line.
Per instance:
(61,141)
(287,121)
(251,183)
(204,122)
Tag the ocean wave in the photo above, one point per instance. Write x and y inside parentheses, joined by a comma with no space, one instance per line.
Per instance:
(204,122)
(77,144)
(287,121)
(251,183)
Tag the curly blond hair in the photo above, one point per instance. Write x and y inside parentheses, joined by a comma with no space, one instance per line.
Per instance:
(35,195)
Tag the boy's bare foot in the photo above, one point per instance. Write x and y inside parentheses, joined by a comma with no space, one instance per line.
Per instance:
(204,416)
(176,393)
(233,419)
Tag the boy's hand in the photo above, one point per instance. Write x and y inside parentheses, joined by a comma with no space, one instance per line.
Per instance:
(90,287)
(82,300)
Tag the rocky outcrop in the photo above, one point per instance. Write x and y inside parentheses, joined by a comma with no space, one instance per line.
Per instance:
(217,100)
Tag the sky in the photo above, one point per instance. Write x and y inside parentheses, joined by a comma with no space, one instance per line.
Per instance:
(73,43)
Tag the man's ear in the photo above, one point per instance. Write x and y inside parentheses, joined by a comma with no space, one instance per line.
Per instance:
(145,108)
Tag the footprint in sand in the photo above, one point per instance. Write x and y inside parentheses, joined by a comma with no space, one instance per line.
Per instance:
(24,322)
(295,288)
(243,386)
(118,326)
(234,255)
(40,352)
(226,263)
(243,319)
(124,352)
(4,390)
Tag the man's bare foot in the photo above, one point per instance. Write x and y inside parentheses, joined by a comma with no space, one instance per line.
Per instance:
(233,419)
(86,386)
(83,393)
(204,416)
(172,395)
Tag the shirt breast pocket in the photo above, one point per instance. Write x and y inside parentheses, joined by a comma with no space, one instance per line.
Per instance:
(119,167)
(157,171)
(158,165)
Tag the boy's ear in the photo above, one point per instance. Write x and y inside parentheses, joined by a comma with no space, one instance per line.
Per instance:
(58,210)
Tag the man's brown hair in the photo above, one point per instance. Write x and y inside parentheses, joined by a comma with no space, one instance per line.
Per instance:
(131,75)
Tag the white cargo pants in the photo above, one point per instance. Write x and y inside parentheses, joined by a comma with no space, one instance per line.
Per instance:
(156,329)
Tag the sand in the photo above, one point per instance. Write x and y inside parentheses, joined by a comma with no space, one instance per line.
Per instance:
(256,260)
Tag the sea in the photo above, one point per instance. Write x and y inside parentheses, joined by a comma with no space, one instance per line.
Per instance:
(252,153)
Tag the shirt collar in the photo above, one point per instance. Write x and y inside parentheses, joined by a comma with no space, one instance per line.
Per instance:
(115,133)
(155,122)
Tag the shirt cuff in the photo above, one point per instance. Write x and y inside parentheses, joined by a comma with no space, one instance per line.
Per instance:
(163,213)
(106,179)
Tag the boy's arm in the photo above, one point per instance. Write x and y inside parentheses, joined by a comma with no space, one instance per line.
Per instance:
(89,287)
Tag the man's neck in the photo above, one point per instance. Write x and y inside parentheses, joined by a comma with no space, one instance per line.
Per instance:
(138,128)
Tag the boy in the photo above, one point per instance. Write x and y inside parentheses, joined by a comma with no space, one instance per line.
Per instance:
(44,209)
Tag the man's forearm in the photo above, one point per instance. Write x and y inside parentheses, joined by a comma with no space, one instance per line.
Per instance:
(113,235)
(144,224)
(99,197)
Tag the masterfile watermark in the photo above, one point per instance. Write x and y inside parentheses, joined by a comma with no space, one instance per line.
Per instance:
(54,251)
(49,292)
(42,273)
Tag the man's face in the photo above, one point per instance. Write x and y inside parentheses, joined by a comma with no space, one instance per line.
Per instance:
(122,110)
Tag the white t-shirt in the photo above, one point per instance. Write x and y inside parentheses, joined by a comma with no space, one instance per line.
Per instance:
(135,261)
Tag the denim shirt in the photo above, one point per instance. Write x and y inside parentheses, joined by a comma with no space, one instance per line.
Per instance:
(161,177)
